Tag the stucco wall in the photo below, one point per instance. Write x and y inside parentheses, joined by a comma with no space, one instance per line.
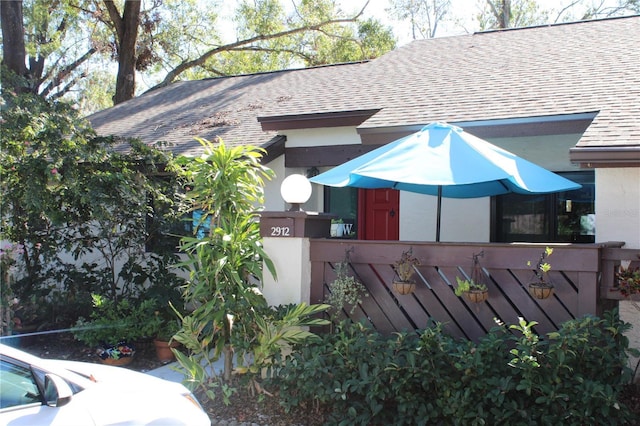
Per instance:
(293,269)
(461,220)
(618,219)
(618,206)
(272,198)
(550,152)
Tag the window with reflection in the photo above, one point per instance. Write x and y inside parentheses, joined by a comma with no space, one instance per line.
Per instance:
(567,216)
(343,202)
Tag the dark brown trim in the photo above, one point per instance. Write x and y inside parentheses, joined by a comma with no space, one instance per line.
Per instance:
(383,135)
(317,120)
(324,156)
(605,156)
(274,148)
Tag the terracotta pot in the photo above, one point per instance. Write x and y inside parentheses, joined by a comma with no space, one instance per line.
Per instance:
(404,287)
(476,296)
(163,350)
(125,360)
(540,291)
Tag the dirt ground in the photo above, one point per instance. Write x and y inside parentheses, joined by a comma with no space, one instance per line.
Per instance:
(244,407)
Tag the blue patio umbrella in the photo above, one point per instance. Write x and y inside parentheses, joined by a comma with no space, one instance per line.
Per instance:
(445,161)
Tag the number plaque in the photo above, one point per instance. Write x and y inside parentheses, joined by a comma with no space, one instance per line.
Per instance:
(277,227)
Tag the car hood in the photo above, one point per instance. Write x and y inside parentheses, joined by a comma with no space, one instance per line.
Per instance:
(109,375)
(112,394)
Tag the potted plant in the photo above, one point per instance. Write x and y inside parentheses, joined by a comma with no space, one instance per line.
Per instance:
(114,326)
(163,340)
(345,290)
(471,290)
(542,287)
(404,269)
(628,280)
(337,228)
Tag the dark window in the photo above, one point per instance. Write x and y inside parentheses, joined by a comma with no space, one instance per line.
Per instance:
(164,236)
(343,202)
(561,217)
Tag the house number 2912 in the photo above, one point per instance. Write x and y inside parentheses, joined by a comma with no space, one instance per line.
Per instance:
(280,231)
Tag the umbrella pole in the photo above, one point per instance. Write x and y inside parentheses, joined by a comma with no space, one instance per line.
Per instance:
(439,211)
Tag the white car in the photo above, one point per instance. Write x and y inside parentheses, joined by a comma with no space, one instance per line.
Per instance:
(35,391)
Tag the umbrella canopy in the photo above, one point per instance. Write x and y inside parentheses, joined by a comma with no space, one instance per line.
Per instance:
(445,161)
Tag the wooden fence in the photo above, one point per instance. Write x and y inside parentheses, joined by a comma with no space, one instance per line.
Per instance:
(581,287)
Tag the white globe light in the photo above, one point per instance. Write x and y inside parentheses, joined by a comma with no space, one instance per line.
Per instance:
(295,190)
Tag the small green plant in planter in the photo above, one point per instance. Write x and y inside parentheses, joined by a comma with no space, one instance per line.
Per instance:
(404,269)
(344,291)
(542,288)
(471,290)
(114,326)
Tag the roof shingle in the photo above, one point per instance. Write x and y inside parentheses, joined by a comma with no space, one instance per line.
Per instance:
(530,72)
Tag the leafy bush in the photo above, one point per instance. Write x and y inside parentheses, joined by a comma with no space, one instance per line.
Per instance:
(112,322)
(511,376)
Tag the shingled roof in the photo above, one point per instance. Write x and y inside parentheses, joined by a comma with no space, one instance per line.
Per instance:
(586,69)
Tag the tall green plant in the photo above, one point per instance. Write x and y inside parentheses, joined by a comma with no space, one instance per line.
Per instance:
(226,184)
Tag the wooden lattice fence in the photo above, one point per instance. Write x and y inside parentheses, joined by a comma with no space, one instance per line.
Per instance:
(576,274)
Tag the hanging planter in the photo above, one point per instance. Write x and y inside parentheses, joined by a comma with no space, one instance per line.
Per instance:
(404,268)
(476,295)
(404,287)
(540,290)
(473,289)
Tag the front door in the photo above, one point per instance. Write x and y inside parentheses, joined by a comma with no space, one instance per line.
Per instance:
(380,214)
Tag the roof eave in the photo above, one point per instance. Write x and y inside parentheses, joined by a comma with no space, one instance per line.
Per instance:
(605,156)
(316,120)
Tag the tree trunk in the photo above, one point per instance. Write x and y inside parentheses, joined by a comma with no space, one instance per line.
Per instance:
(127,35)
(13,49)
(228,362)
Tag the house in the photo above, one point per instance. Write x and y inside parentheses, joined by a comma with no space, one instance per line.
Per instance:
(565,96)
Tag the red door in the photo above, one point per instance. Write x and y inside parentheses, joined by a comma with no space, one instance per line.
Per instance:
(379,212)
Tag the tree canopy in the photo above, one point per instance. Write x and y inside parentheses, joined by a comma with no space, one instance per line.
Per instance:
(95,53)
(426,17)
(70,48)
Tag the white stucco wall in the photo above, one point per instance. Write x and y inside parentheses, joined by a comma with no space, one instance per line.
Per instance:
(461,220)
(293,269)
(272,199)
(618,206)
(550,152)
(322,137)
(618,219)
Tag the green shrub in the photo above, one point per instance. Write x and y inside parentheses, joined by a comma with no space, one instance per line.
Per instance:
(511,376)
(112,322)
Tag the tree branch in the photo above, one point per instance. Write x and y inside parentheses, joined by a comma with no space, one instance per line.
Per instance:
(117,20)
(64,72)
(173,74)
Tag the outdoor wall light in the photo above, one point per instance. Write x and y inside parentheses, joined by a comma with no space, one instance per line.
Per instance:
(295,190)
